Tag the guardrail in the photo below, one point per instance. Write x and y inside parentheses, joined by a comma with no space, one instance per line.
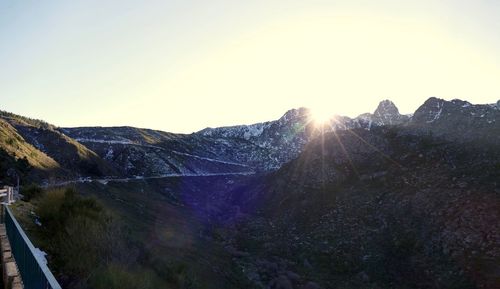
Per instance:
(34,272)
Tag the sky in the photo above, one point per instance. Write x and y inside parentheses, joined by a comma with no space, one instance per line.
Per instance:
(181,66)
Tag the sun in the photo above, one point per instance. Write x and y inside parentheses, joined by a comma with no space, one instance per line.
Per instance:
(321,115)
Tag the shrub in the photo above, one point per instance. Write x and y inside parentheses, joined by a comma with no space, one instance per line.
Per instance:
(11,141)
(174,272)
(92,249)
(31,191)
(81,236)
(118,276)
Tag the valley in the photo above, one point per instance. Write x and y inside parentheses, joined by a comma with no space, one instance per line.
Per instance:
(382,200)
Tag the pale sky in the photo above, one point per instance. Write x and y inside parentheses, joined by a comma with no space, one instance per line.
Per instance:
(181,66)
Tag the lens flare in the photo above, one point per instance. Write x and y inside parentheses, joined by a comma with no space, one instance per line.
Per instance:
(321,115)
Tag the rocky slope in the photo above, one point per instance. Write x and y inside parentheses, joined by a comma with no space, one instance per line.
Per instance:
(459,120)
(261,147)
(384,208)
(285,138)
(143,152)
(389,207)
(383,200)
(242,149)
(49,153)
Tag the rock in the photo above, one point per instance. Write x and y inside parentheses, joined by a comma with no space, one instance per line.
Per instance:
(388,114)
(269,266)
(311,285)
(293,276)
(363,276)
(307,264)
(235,252)
(281,282)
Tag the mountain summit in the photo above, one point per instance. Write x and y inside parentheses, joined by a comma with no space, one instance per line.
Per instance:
(261,147)
(388,114)
(386,109)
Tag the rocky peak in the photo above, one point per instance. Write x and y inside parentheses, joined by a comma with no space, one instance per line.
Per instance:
(459,120)
(294,114)
(387,114)
(386,107)
(430,111)
(435,109)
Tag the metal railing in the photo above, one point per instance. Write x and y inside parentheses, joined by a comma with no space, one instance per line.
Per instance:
(34,272)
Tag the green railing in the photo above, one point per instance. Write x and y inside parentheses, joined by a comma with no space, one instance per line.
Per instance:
(34,272)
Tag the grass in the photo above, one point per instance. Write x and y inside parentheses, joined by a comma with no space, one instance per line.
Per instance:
(86,244)
(21,137)
(125,235)
(25,120)
(16,146)
(170,232)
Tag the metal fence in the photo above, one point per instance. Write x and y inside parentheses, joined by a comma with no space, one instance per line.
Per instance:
(34,272)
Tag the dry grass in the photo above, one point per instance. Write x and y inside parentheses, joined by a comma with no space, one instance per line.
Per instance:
(15,145)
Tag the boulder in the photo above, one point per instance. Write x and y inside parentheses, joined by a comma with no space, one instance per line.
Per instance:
(281,282)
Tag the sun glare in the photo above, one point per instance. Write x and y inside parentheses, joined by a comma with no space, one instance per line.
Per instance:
(321,114)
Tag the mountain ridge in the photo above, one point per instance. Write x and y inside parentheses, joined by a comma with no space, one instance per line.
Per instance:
(126,151)
(379,201)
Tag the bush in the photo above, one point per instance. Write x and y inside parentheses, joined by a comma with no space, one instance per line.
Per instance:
(72,226)
(21,167)
(82,238)
(11,141)
(117,276)
(31,191)
(174,272)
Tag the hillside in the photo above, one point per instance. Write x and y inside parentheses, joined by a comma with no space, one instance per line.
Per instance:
(118,152)
(142,152)
(23,158)
(459,120)
(16,146)
(383,200)
(382,208)
(260,147)
(51,154)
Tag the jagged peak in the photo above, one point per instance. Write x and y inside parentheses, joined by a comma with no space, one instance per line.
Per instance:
(295,113)
(433,101)
(386,107)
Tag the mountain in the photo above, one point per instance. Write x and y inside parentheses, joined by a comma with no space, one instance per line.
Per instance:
(15,145)
(386,114)
(18,156)
(285,138)
(282,139)
(384,208)
(143,152)
(49,152)
(236,149)
(244,149)
(459,120)
(382,200)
